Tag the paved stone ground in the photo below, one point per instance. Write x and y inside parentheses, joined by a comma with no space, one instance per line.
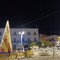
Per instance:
(42,58)
(35,58)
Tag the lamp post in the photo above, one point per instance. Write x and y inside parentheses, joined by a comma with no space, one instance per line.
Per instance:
(22,33)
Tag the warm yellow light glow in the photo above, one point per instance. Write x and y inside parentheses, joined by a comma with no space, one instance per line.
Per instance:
(59,37)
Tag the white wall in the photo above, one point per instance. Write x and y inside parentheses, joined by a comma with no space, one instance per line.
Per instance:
(18,37)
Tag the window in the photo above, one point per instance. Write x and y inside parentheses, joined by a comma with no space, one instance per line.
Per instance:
(14,39)
(28,33)
(15,33)
(35,39)
(0,33)
(34,33)
(49,39)
(52,39)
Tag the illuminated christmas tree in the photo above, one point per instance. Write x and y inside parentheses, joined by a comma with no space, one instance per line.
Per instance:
(6,39)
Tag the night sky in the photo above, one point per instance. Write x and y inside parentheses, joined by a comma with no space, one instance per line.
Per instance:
(44,15)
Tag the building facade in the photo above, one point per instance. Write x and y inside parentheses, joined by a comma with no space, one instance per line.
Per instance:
(30,34)
(49,40)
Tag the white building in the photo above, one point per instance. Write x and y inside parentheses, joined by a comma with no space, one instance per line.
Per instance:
(30,34)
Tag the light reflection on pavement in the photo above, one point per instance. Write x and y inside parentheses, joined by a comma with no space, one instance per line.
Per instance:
(41,58)
(35,57)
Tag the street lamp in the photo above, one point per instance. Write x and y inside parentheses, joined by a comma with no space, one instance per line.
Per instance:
(21,33)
